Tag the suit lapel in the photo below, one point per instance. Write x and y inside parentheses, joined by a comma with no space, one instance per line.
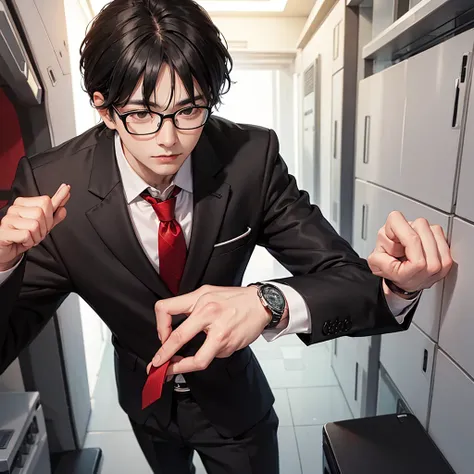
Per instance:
(210,195)
(111,220)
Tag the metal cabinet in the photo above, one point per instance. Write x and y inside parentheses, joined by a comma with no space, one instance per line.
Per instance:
(452,416)
(336,143)
(372,205)
(409,123)
(436,82)
(465,201)
(57,83)
(457,322)
(379,130)
(408,359)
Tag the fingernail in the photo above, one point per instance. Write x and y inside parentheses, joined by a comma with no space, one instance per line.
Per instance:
(169,378)
(156,361)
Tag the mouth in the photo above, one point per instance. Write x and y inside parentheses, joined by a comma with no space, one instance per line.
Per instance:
(166,157)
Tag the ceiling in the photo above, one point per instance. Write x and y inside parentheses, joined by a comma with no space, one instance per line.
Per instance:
(298,8)
(301,8)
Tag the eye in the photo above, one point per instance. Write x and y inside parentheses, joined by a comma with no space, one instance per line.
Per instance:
(189,111)
(140,116)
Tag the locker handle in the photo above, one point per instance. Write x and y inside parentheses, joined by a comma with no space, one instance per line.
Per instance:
(365,211)
(334,146)
(457,91)
(425,361)
(356,381)
(366,138)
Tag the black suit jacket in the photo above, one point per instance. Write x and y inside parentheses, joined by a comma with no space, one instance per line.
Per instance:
(240,181)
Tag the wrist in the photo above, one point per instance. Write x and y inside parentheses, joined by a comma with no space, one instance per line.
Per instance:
(390,287)
(5,267)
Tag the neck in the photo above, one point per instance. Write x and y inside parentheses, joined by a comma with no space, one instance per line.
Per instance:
(156,181)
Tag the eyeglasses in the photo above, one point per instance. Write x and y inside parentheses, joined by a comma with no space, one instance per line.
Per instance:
(145,122)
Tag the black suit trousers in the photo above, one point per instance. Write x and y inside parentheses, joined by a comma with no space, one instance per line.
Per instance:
(170,449)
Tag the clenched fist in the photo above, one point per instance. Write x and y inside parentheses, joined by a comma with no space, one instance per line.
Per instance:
(27,222)
(413,255)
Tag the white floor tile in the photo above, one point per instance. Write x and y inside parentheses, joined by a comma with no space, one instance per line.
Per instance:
(289,458)
(282,407)
(317,405)
(310,440)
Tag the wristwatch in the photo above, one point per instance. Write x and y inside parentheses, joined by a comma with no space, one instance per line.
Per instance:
(273,299)
(399,291)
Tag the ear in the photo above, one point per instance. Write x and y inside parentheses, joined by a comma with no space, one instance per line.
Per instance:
(104,113)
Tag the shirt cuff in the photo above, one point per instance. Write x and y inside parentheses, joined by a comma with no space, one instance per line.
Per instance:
(399,306)
(299,317)
(4,276)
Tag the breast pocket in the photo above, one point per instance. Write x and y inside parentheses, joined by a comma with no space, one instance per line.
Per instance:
(234,243)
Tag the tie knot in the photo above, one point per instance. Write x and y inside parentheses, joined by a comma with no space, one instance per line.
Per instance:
(164,209)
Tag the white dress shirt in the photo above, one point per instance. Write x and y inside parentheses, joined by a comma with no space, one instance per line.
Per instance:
(145,223)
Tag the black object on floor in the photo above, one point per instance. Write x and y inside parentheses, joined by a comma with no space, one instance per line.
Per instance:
(84,461)
(388,444)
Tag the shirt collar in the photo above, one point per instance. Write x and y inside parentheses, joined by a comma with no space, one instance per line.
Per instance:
(134,185)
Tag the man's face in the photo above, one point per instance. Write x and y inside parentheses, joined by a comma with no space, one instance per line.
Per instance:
(157,156)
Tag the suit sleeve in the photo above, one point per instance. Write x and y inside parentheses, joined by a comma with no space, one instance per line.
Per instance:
(342,295)
(34,291)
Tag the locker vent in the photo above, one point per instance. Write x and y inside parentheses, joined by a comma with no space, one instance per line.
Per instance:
(309,80)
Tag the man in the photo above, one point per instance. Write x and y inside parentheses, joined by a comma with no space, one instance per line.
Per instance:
(166,204)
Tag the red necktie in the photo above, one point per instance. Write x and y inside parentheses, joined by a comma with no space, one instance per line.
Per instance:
(172,255)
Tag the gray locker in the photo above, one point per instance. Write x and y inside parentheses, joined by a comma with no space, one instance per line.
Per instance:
(408,359)
(435,92)
(379,128)
(452,414)
(457,321)
(372,206)
(336,142)
(465,201)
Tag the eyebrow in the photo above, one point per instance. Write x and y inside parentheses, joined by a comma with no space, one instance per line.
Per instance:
(189,100)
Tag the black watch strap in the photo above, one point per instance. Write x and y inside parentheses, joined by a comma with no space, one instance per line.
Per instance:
(400,291)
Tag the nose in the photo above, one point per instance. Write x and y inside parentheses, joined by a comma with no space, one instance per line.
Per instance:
(167,135)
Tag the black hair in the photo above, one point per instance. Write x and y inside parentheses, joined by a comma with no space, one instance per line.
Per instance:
(132,39)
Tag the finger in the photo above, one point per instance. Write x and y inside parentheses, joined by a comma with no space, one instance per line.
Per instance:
(430,246)
(59,216)
(30,225)
(443,249)
(163,324)
(200,361)
(395,249)
(399,230)
(19,237)
(180,336)
(32,213)
(60,196)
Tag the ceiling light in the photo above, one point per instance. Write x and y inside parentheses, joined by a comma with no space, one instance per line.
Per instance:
(243,5)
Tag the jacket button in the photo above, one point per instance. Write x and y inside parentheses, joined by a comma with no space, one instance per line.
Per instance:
(326,328)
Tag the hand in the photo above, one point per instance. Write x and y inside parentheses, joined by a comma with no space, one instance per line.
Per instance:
(414,255)
(231,317)
(27,222)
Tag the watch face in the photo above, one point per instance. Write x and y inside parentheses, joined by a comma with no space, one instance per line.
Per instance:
(274,298)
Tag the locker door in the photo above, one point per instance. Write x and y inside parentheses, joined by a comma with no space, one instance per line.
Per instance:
(344,365)
(380,117)
(372,207)
(336,142)
(452,416)
(436,84)
(465,201)
(408,360)
(457,322)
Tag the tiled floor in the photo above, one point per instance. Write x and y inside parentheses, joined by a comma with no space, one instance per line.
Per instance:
(306,391)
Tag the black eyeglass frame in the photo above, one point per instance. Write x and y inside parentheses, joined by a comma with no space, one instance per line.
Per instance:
(163,117)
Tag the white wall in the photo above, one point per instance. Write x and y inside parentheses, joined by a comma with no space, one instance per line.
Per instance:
(262,33)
